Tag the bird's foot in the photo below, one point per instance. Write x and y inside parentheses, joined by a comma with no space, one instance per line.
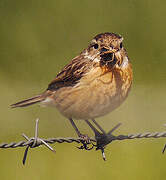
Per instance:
(102,138)
(85,140)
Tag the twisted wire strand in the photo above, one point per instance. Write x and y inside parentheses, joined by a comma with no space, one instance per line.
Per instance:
(99,144)
(78,140)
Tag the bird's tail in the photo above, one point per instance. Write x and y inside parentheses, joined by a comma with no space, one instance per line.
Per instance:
(28,102)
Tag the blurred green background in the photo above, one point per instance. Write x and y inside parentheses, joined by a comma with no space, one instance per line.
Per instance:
(37,38)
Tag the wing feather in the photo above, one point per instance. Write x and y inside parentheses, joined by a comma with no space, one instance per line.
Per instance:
(71,73)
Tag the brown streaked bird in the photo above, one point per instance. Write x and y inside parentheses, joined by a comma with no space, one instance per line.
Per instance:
(93,84)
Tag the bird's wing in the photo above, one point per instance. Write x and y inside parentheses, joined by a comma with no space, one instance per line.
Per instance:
(70,74)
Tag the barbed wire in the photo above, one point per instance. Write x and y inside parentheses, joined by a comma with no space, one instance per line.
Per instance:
(78,140)
(100,144)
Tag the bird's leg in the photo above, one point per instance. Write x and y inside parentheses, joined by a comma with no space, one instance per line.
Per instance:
(99,136)
(85,140)
(102,137)
(75,127)
(101,129)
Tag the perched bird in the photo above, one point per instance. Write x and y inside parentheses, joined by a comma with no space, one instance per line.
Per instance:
(93,84)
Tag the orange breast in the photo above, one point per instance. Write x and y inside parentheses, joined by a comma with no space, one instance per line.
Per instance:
(98,93)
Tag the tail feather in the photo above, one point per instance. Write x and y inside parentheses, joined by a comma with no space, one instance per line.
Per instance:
(28,102)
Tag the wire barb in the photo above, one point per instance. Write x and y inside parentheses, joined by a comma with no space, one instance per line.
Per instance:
(106,138)
(34,142)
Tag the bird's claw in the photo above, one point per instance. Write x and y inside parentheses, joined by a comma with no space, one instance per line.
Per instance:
(85,146)
(85,140)
(103,139)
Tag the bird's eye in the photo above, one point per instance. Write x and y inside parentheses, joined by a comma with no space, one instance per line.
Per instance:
(96,46)
(121,45)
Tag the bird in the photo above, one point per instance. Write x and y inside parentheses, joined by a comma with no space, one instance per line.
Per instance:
(93,84)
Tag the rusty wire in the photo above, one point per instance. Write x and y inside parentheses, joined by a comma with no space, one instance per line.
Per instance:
(36,141)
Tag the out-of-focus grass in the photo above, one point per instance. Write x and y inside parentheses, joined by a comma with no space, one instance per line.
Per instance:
(37,38)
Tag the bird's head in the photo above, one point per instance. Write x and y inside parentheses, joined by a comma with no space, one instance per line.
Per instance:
(107,49)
